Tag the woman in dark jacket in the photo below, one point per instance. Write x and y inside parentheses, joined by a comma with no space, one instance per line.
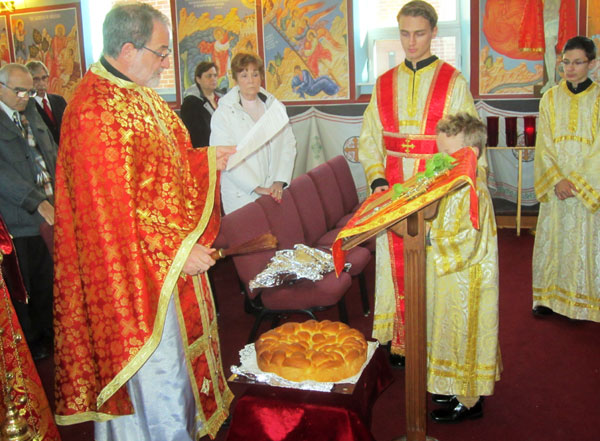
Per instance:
(200,102)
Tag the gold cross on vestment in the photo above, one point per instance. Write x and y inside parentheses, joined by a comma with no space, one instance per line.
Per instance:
(408,145)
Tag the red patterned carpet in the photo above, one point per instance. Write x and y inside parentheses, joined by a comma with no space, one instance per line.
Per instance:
(549,386)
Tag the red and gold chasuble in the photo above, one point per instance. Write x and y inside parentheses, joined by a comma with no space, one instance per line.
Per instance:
(418,147)
(132,198)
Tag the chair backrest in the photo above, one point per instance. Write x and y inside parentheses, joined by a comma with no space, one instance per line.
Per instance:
(309,207)
(342,172)
(284,220)
(239,227)
(329,193)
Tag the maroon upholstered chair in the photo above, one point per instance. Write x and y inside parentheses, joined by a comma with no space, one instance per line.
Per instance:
(310,211)
(304,297)
(284,220)
(330,194)
(342,173)
(312,217)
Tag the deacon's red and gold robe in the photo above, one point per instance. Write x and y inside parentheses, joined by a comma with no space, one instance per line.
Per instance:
(17,369)
(397,137)
(132,198)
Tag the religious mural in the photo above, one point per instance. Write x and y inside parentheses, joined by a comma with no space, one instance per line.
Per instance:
(593,32)
(4,44)
(52,37)
(306,49)
(214,30)
(504,69)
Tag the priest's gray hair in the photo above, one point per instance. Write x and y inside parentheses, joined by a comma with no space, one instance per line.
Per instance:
(129,23)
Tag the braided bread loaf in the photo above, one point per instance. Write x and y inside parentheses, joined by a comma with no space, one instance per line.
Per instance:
(318,351)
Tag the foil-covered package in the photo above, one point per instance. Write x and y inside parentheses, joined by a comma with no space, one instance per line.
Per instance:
(303,262)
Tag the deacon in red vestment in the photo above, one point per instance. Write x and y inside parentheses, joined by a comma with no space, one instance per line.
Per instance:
(397,137)
(137,209)
(18,375)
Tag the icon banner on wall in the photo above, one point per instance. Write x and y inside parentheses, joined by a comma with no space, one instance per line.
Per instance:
(51,35)
(214,30)
(306,49)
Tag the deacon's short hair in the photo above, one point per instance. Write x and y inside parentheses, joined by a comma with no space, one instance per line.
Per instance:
(241,61)
(475,132)
(585,44)
(419,8)
(129,23)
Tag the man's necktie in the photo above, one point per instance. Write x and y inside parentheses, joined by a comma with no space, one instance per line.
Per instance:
(17,121)
(47,110)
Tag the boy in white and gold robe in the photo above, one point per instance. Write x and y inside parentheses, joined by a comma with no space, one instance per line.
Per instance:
(566,262)
(463,356)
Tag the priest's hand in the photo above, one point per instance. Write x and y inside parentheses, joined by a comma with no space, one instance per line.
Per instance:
(223,154)
(199,260)
(564,189)
(47,211)
(381,189)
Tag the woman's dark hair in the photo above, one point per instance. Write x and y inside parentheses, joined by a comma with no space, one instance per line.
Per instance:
(583,43)
(203,67)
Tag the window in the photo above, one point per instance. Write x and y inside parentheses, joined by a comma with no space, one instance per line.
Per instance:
(93,13)
(377,39)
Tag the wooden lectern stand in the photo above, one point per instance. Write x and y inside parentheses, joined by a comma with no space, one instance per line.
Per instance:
(406,217)
(411,226)
(412,230)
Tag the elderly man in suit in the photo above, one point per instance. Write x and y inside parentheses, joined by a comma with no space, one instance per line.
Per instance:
(50,105)
(27,162)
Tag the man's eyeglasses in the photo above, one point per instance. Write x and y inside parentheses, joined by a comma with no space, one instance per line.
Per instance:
(158,54)
(576,63)
(20,92)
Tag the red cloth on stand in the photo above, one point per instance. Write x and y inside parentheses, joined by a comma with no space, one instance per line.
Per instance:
(266,413)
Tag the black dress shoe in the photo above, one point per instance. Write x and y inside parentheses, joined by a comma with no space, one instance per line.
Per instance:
(541,311)
(441,399)
(457,412)
(397,361)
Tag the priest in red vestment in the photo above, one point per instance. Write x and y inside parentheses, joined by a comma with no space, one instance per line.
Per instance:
(137,209)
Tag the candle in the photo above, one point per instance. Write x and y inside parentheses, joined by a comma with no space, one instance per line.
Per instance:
(492,131)
(529,125)
(510,123)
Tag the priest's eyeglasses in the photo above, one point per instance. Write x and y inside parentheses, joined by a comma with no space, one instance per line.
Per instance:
(576,63)
(20,92)
(158,54)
